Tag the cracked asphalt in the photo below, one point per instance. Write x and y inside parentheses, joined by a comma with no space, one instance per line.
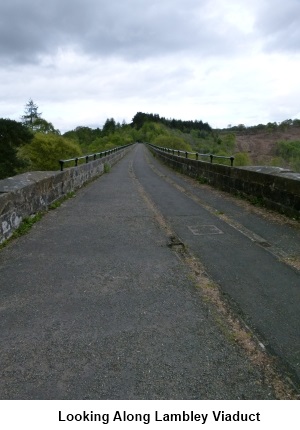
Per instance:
(95,304)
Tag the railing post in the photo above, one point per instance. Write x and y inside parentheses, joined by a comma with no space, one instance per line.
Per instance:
(76,162)
(231,161)
(178,153)
(95,156)
(211,158)
(61,162)
(87,159)
(186,155)
(197,156)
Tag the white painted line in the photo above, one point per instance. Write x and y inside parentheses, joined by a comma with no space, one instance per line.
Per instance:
(201,230)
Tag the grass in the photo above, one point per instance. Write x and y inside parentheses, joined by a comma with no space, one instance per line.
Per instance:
(107,167)
(26,225)
(202,180)
(58,202)
(253,200)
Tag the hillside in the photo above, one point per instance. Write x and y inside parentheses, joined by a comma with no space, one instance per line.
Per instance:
(261,145)
(275,144)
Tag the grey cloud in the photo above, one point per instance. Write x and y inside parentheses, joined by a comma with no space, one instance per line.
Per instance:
(30,28)
(133,29)
(279,24)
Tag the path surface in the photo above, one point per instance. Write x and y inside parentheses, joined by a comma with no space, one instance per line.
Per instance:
(96,304)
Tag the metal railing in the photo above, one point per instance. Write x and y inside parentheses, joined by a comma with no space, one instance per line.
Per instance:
(92,157)
(186,154)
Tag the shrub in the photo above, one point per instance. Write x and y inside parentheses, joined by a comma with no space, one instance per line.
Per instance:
(241,159)
(173,142)
(45,151)
(290,151)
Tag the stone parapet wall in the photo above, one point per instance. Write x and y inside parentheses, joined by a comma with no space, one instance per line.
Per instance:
(276,188)
(24,195)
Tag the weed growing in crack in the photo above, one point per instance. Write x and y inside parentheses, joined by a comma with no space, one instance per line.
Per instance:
(107,168)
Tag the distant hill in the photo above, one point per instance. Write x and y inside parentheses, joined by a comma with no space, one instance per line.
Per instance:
(262,146)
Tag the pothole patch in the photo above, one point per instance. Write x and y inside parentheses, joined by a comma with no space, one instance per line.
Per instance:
(176,244)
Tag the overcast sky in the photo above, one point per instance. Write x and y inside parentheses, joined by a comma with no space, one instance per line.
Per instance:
(82,61)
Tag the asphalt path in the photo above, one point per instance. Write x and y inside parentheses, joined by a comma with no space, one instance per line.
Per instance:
(246,254)
(95,303)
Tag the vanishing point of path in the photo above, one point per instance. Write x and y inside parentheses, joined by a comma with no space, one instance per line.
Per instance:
(147,285)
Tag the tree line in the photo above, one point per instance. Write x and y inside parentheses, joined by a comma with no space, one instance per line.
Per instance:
(269,127)
(34,144)
(185,126)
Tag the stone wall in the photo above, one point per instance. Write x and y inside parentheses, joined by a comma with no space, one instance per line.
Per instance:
(24,195)
(276,188)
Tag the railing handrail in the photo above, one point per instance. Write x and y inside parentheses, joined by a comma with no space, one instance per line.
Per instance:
(197,154)
(94,155)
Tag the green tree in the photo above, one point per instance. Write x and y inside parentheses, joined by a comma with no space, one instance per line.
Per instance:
(45,151)
(84,136)
(13,135)
(228,142)
(289,150)
(151,130)
(43,126)
(296,122)
(31,114)
(109,126)
(139,119)
(172,142)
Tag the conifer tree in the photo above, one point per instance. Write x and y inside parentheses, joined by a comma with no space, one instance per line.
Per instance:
(31,114)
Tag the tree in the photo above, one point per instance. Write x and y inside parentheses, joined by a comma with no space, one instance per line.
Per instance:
(109,126)
(45,151)
(31,114)
(43,126)
(139,119)
(13,134)
(296,122)
(173,142)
